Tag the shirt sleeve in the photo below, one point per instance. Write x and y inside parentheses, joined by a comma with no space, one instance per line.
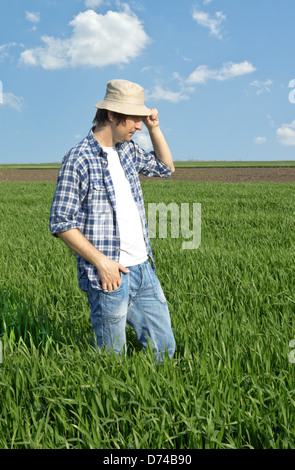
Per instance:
(149,165)
(66,204)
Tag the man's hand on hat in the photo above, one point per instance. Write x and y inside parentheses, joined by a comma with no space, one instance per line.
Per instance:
(152,121)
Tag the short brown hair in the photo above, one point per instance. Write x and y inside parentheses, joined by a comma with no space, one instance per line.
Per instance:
(101,117)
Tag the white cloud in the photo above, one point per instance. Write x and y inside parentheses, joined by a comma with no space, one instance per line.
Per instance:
(93,3)
(260,140)
(12,101)
(54,55)
(213,23)
(262,86)
(201,75)
(97,40)
(163,94)
(4,49)
(206,2)
(33,17)
(229,70)
(286,134)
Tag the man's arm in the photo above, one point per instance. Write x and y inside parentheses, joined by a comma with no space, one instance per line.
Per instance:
(109,270)
(160,145)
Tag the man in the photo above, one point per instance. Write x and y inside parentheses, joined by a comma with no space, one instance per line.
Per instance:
(98,212)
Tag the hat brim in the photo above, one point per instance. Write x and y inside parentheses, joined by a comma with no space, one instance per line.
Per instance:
(124,108)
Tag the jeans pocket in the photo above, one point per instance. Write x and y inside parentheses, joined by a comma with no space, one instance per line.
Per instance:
(114,291)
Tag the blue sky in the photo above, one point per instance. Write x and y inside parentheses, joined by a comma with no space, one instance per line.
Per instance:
(220,72)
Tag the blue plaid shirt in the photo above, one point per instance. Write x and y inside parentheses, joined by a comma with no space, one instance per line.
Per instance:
(85,197)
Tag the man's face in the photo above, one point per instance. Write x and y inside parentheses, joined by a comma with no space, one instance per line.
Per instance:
(124,131)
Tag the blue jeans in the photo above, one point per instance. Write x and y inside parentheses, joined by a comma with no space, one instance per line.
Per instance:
(138,301)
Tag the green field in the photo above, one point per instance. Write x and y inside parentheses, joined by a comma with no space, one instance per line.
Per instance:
(231,383)
(234,164)
(177,163)
(30,166)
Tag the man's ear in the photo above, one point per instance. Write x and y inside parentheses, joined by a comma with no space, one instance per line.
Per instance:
(114,118)
(111,117)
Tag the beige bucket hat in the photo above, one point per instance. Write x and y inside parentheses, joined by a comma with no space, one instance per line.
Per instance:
(124,97)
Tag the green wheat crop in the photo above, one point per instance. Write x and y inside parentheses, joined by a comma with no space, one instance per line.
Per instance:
(230,384)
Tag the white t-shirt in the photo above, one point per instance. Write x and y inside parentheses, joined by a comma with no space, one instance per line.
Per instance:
(132,245)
